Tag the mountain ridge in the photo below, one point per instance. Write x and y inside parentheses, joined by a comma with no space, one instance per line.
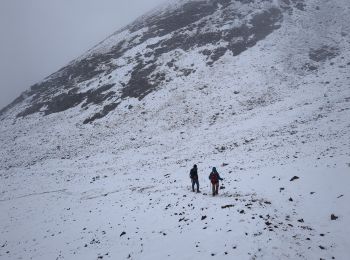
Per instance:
(141,81)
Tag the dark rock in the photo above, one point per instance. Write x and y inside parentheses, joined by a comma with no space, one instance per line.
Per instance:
(123,233)
(323,53)
(334,217)
(227,206)
(203,217)
(300,5)
(294,178)
(105,111)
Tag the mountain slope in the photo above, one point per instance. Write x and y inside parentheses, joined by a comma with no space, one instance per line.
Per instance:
(136,60)
(259,89)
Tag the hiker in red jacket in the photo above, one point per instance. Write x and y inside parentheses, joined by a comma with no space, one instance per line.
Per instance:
(214,177)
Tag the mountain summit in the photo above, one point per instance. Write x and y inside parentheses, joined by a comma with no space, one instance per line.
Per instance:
(94,159)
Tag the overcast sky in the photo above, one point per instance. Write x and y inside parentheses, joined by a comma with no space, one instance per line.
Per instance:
(37,37)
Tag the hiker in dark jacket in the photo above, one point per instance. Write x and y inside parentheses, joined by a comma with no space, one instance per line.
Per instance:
(214,177)
(194,177)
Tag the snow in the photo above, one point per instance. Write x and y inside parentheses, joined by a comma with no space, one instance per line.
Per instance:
(69,191)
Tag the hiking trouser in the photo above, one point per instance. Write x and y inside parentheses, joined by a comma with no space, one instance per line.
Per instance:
(215,188)
(195,182)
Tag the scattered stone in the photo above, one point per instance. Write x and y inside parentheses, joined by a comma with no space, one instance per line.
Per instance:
(323,53)
(94,241)
(294,178)
(227,206)
(334,217)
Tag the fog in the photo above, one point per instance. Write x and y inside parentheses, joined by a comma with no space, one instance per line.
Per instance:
(40,36)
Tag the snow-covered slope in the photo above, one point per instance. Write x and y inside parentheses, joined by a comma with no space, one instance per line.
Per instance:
(94,160)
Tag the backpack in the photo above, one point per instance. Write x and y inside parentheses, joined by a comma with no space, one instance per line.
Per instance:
(214,178)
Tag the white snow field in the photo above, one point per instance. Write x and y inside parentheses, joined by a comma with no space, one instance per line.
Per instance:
(119,187)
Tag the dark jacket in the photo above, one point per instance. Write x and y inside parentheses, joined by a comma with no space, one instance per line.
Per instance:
(214,177)
(194,174)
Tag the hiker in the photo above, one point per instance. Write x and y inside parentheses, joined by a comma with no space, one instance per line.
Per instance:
(214,177)
(194,177)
